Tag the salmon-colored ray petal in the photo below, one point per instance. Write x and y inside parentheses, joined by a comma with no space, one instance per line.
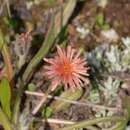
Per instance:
(51,61)
(61,53)
(54,84)
(79,61)
(51,73)
(81,77)
(77,82)
(81,69)
(71,83)
(77,56)
(83,73)
(49,68)
(70,53)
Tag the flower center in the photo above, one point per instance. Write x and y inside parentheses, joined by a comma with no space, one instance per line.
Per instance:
(64,69)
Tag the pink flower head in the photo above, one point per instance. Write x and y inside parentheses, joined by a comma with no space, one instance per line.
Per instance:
(68,68)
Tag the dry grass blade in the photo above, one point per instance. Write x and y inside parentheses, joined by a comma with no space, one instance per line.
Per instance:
(58,121)
(89,104)
(36,109)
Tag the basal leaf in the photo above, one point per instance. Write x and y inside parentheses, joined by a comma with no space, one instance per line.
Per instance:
(69,95)
(5,96)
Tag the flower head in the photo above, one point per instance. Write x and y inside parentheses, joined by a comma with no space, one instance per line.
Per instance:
(67,68)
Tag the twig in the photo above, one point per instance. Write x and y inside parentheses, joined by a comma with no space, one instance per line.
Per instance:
(36,109)
(58,121)
(72,102)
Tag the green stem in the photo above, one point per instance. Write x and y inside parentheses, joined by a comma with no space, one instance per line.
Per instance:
(120,126)
(41,53)
(5,121)
(17,103)
(86,123)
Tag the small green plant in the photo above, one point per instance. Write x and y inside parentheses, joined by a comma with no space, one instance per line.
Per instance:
(100,22)
(47,112)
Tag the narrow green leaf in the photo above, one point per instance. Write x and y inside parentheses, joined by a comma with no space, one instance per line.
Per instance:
(4,121)
(85,123)
(69,95)
(1,40)
(5,96)
(126,104)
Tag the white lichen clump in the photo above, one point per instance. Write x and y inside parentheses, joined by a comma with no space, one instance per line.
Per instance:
(83,31)
(109,35)
(106,60)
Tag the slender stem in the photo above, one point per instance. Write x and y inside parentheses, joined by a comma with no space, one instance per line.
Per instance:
(17,103)
(92,122)
(41,53)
